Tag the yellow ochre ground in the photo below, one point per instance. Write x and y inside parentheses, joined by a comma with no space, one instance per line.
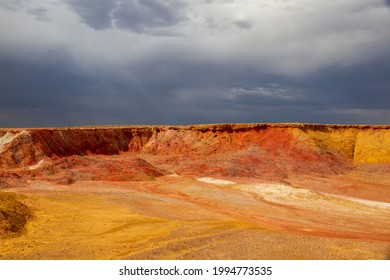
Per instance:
(107,220)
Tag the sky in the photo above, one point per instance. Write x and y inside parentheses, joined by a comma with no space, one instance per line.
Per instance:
(118,62)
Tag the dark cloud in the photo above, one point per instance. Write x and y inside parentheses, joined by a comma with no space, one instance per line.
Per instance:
(55,92)
(141,16)
(270,96)
(97,14)
(51,75)
(138,16)
(38,85)
(244,24)
(58,94)
(363,86)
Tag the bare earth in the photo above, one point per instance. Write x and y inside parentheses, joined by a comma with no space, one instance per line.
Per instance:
(198,194)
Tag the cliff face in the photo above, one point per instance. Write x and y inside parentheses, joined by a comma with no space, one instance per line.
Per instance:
(27,147)
(230,150)
(372,146)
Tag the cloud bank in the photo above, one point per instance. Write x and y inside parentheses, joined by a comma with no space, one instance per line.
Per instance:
(178,62)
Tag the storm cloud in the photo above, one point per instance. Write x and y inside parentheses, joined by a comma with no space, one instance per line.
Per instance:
(138,16)
(179,62)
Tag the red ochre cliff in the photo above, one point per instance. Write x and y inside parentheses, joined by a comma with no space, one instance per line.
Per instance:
(233,150)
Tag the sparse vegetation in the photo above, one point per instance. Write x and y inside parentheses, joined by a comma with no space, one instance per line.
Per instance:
(13,215)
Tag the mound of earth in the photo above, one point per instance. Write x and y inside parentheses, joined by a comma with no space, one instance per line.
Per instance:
(13,215)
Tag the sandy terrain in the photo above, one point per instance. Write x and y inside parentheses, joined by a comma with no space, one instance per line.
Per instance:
(181,218)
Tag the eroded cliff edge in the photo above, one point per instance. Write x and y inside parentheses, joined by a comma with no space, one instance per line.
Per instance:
(234,150)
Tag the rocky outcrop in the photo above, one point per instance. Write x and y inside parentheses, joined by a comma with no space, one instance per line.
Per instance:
(227,149)
(28,146)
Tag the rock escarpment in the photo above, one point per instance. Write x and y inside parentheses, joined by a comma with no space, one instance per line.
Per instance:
(233,150)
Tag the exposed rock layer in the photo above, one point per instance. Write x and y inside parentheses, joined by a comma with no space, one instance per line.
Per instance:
(341,144)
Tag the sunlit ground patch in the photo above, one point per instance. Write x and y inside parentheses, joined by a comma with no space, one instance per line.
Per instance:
(210,180)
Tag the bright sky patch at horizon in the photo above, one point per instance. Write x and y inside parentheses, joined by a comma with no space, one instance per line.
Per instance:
(91,62)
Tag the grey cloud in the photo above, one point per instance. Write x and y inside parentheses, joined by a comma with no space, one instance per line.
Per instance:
(269,95)
(57,93)
(31,84)
(214,25)
(172,90)
(209,85)
(60,84)
(243,24)
(218,1)
(13,5)
(363,86)
(136,15)
(97,14)
(39,13)
(365,6)
(141,16)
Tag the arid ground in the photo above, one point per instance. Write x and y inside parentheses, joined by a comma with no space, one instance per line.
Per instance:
(239,191)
